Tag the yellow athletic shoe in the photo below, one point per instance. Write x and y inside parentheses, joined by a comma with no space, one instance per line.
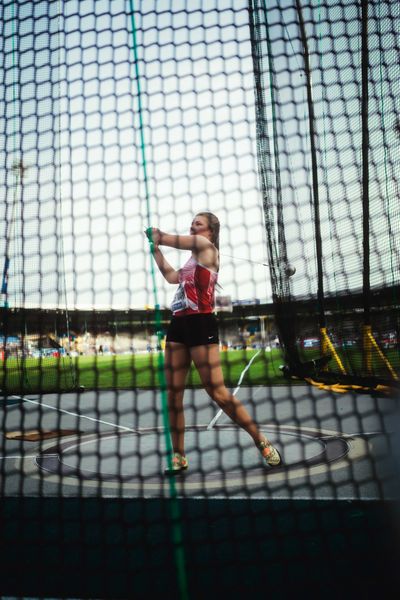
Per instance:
(179,463)
(271,454)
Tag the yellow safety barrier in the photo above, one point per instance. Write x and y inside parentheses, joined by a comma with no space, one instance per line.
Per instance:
(327,346)
(369,343)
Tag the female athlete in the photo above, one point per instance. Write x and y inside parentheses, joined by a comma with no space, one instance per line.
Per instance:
(193,333)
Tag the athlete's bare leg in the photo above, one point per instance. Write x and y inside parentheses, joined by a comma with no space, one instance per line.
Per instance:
(177,363)
(208,363)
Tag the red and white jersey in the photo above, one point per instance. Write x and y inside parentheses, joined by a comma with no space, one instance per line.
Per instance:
(196,291)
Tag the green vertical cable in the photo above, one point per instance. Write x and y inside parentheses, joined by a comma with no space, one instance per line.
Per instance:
(175,511)
(62,285)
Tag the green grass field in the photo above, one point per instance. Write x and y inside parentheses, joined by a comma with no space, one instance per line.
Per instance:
(127,371)
(142,370)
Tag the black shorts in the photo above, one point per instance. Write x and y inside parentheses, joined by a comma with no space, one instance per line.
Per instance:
(193,330)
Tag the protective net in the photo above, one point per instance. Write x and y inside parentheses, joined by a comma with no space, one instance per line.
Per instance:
(326,77)
(282,119)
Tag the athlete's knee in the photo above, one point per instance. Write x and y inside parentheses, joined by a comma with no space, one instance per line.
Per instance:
(220,395)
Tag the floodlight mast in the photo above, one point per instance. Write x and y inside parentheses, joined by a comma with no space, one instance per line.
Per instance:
(19,169)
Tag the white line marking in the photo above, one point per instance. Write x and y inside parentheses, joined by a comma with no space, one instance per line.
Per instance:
(80,444)
(23,456)
(358,434)
(67,412)
(358,449)
(219,413)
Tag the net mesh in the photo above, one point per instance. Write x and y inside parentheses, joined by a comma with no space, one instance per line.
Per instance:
(282,118)
(321,179)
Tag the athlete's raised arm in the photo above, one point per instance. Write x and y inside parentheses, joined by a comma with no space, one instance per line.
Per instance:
(181,242)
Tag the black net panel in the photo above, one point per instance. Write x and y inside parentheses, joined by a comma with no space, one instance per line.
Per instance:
(327,137)
(117,116)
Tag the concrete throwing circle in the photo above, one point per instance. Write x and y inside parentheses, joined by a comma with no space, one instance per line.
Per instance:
(220,459)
